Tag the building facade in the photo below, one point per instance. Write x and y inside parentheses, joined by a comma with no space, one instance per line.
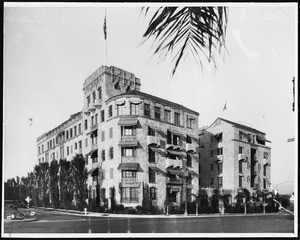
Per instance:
(234,156)
(132,141)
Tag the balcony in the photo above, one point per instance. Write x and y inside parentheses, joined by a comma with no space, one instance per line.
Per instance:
(94,147)
(190,148)
(129,159)
(173,147)
(94,127)
(152,140)
(131,138)
(129,180)
(92,107)
(174,181)
(242,157)
(86,110)
(98,103)
(219,158)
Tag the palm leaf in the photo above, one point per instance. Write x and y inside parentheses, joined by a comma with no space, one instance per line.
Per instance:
(196,30)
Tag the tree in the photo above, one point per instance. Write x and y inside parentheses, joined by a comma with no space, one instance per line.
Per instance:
(53,183)
(23,188)
(44,178)
(65,183)
(79,173)
(146,203)
(196,30)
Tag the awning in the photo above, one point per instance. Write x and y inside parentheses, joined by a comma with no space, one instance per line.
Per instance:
(193,173)
(262,139)
(176,133)
(120,102)
(218,135)
(128,144)
(91,152)
(135,100)
(129,166)
(194,138)
(91,171)
(156,169)
(128,122)
(194,155)
(177,153)
(156,129)
(176,172)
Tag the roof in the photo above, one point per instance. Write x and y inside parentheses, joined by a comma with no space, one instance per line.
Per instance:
(238,125)
(160,100)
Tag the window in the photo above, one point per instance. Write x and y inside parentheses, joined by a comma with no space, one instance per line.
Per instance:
(94,97)
(80,144)
(240,166)
(75,146)
(128,174)
(39,150)
(100,92)
(110,113)
(96,118)
(75,130)
(88,100)
(79,128)
(240,181)
(102,116)
(211,153)
(169,137)
(86,142)
(167,116)
(212,166)
(68,151)
(146,110)
(128,152)
(85,124)
(266,155)
(111,173)
(71,148)
(95,178)
(220,182)
(53,155)
(42,148)
(240,150)
(102,136)
(152,193)
(151,176)
(265,184)
(111,132)
(151,155)
(103,155)
(188,160)
(128,131)
(176,140)
(157,113)
(94,159)
(188,139)
(129,194)
(265,170)
(134,109)
(103,191)
(189,122)
(120,110)
(219,151)
(111,153)
(177,118)
(151,132)
(240,136)
(220,168)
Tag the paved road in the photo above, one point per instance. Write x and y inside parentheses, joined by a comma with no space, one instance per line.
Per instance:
(54,222)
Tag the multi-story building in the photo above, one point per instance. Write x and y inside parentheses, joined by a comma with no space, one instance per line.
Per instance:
(233,156)
(130,140)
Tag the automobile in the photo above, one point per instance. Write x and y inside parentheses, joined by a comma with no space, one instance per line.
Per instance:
(22,204)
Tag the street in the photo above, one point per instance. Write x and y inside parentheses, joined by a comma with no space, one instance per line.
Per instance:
(55,222)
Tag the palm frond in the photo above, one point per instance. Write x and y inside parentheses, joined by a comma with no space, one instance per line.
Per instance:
(196,30)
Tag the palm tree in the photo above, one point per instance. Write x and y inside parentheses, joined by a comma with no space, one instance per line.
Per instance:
(196,30)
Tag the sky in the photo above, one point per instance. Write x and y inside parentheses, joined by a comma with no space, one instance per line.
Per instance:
(49,50)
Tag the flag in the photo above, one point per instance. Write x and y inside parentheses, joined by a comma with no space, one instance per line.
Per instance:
(104,27)
(224,108)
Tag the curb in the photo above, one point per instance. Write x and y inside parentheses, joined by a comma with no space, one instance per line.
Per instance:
(21,220)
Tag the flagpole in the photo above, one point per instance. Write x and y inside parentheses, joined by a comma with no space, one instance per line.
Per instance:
(105,40)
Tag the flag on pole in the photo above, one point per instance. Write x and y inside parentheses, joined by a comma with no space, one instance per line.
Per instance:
(224,108)
(104,27)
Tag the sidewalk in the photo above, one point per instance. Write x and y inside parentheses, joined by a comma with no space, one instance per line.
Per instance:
(96,214)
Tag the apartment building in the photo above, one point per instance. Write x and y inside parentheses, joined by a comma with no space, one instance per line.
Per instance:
(234,156)
(130,140)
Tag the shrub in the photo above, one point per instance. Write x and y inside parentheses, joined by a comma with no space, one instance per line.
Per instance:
(120,208)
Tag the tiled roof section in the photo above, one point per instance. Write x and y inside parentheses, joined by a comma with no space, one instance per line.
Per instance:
(61,125)
(159,100)
(241,126)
